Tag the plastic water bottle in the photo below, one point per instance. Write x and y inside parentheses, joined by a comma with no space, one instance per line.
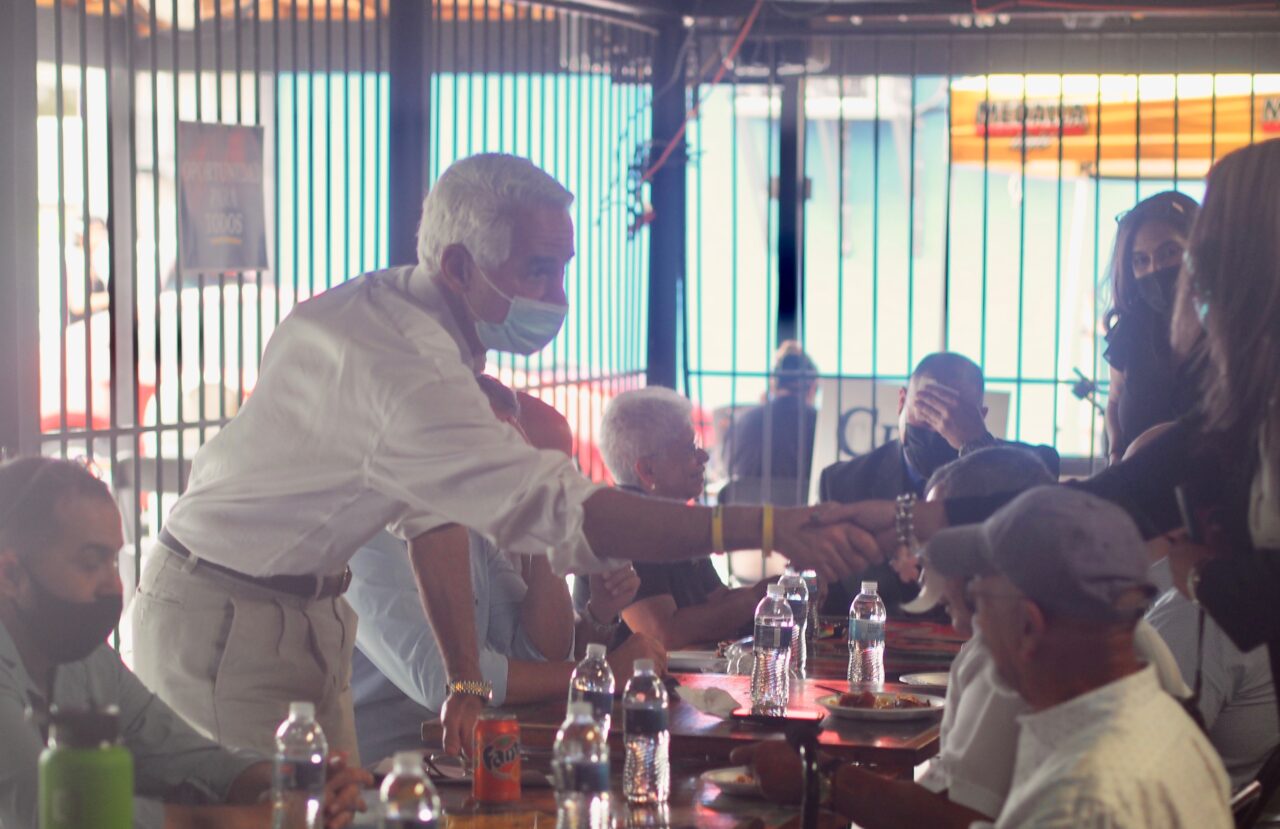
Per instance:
(297,785)
(771,649)
(593,682)
(409,801)
(866,637)
(646,773)
(797,593)
(811,624)
(580,768)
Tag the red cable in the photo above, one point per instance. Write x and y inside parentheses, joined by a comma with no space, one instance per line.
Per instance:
(693,113)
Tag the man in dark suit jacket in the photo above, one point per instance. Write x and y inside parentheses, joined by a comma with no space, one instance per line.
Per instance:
(940,418)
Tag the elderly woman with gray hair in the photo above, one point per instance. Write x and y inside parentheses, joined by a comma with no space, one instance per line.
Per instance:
(650,447)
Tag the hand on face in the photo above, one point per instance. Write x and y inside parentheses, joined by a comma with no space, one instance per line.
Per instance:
(612,592)
(944,411)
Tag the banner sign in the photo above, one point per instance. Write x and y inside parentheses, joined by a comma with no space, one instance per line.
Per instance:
(222,198)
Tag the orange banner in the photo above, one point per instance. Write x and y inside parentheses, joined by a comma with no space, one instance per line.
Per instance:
(1003,131)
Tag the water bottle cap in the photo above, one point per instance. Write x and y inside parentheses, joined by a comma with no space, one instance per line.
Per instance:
(407,761)
(596,651)
(870,587)
(302,710)
(775,590)
(581,709)
(809,574)
(790,571)
(643,666)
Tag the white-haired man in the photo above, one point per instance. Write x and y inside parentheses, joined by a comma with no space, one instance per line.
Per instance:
(367,414)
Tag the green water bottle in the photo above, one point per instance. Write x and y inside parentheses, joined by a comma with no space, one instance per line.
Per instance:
(86,776)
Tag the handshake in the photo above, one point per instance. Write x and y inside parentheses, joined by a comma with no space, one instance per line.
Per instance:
(842,540)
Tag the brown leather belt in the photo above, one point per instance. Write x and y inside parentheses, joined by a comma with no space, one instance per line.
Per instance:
(307,587)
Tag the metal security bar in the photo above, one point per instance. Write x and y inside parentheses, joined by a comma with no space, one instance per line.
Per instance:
(959,193)
(142,358)
(570,92)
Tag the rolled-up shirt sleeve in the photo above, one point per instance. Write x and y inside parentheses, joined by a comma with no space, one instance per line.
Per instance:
(170,760)
(448,460)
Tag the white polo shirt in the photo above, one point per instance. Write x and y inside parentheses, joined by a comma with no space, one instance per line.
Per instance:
(1123,755)
(979,732)
(367,414)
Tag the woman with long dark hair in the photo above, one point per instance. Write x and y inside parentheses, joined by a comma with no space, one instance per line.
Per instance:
(1225,456)
(1149,383)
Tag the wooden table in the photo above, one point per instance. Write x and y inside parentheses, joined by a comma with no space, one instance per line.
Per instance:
(692,804)
(706,741)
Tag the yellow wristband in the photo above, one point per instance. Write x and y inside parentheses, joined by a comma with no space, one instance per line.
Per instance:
(717,529)
(766,530)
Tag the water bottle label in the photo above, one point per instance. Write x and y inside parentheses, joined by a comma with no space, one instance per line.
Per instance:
(799,610)
(601,703)
(772,638)
(866,630)
(589,778)
(644,721)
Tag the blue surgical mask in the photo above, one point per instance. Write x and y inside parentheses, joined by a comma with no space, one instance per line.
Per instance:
(529,326)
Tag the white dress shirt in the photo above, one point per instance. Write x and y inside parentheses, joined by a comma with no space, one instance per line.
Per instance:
(367,414)
(1123,755)
(979,732)
(1237,694)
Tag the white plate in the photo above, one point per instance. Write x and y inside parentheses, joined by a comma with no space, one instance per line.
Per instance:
(727,781)
(936,705)
(937,679)
(694,661)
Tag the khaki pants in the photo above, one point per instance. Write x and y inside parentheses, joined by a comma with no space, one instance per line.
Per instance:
(230,656)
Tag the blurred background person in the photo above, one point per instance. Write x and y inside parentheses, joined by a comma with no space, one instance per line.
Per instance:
(1149,383)
(768,449)
(649,445)
(941,416)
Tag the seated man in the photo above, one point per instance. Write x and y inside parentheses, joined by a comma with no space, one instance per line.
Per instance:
(525,629)
(940,417)
(1059,582)
(648,443)
(974,766)
(1237,694)
(60,597)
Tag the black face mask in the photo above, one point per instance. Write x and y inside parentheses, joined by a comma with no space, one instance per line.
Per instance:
(70,631)
(1157,289)
(926,450)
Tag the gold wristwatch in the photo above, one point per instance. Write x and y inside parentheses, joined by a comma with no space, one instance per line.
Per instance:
(471,688)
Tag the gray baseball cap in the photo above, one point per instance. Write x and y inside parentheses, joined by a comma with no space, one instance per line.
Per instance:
(1073,554)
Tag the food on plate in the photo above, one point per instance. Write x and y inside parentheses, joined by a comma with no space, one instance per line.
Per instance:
(881,702)
(745,780)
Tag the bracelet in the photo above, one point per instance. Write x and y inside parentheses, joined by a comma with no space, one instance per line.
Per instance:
(717,529)
(766,530)
(604,630)
(904,521)
(471,688)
